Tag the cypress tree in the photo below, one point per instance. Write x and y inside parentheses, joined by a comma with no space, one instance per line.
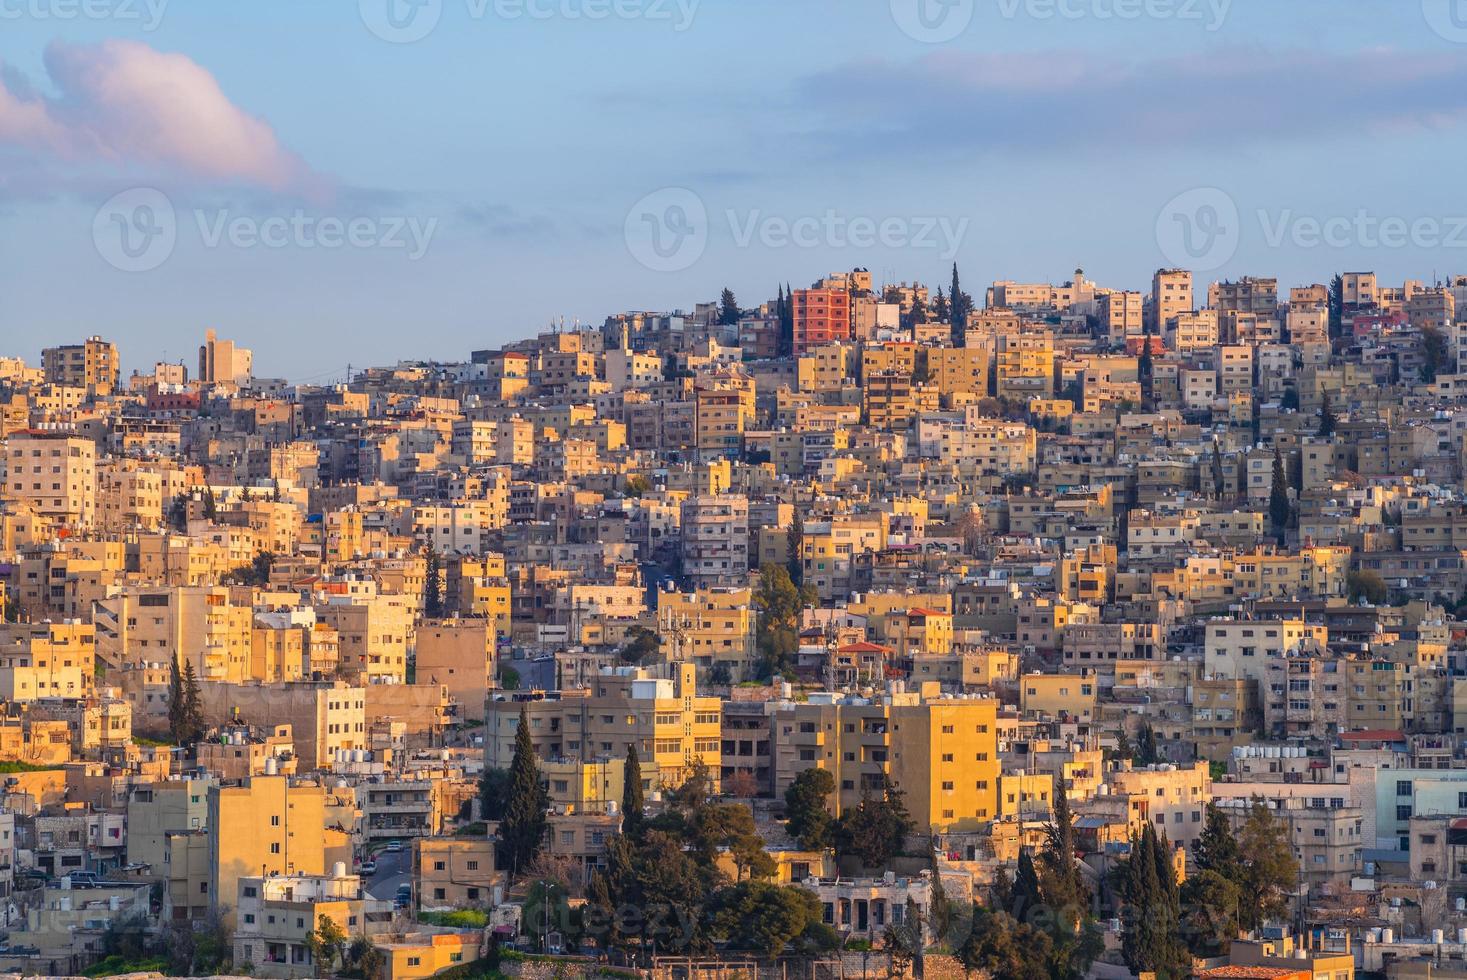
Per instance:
(787,322)
(193,707)
(959,305)
(523,827)
(432,587)
(1064,887)
(1327,420)
(631,793)
(1026,896)
(1216,848)
(795,549)
(1218,484)
(728,309)
(177,706)
(1278,497)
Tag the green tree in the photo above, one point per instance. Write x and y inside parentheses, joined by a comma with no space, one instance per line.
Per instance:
(1270,872)
(636,485)
(1327,420)
(903,940)
(873,831)
(787,323)
(642,646)
(1147,753)
(1064,887)
(1001,946)
(960,305)
(433,587)
(719,828)
(807,808)
(728,309)
(211,506)
(185,705)
(1210,905)
(1336,306)
(762,918)
(177,703)
(1026,897)
(326,943)
(632,802)
(1219,483)
(523,827)
(1151,914)
(493,793)
(1366,583)
(779,603)
(1216,848)
(941,309)
(1278,497)
(1434,352)
(794,549)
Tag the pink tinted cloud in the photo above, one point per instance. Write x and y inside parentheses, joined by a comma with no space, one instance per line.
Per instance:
(124,106)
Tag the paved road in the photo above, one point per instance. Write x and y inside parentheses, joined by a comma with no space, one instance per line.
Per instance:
(392,870)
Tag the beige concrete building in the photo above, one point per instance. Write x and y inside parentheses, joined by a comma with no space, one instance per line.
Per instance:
(54,472)
(459,655)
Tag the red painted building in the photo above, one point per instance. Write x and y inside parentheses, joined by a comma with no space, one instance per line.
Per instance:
(822,316)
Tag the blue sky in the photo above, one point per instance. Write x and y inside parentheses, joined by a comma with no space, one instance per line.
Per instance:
(488,169)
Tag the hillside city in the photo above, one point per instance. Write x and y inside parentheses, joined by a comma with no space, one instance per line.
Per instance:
(1056,631)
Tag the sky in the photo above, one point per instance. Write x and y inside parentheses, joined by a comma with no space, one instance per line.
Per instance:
(354,182)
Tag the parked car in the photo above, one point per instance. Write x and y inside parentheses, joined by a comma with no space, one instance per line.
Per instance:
(368,868)
(404,896)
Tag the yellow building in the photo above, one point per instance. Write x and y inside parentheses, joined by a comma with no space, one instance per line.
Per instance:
(1053,696)
(942,753)
(422,954)
(46,660)
(268,825)
(714,628)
